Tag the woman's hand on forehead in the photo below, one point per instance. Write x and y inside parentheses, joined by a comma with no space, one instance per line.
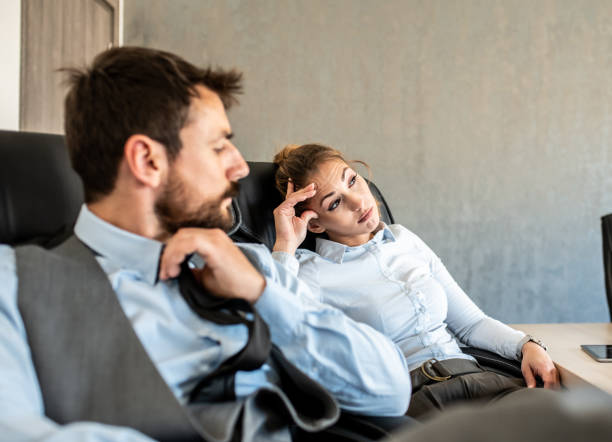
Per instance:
(291,229)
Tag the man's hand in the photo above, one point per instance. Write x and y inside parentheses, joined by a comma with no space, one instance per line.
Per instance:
(227,273)
(290,229)
(537,362)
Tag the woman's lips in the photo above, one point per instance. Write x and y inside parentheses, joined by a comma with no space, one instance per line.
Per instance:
(365,216)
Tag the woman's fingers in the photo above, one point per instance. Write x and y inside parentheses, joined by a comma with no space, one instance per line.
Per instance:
(550,378)
(529,376)
(300,195)
(308,215)
(536,362)
(290,188)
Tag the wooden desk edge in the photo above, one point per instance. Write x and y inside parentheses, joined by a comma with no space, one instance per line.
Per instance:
(568,377)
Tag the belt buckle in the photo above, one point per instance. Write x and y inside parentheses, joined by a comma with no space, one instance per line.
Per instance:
(435,378)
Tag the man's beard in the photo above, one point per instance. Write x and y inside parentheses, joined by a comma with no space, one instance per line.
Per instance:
(172,213)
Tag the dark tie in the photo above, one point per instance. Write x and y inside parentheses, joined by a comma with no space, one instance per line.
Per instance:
(219,385)
(309,399)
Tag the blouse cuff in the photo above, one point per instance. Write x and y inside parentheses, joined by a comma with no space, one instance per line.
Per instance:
(288,260)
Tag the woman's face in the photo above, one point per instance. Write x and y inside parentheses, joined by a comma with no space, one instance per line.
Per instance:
(347,211)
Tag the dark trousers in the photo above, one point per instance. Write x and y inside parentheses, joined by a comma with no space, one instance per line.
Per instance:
(482,385)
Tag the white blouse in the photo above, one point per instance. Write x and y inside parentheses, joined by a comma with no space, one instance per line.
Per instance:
(397,284)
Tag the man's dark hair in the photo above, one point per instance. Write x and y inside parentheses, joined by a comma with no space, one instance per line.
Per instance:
(127,91)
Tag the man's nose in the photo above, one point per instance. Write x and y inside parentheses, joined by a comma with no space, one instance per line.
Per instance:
(238,168)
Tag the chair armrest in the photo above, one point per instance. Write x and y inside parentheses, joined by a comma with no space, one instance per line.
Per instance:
(494,362)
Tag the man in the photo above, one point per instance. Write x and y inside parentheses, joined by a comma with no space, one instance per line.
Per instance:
(148,134)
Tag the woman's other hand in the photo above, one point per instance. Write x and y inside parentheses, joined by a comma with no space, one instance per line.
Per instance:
(291,229)
(537,362)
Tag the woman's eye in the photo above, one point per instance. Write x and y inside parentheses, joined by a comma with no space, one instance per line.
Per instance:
(333,205)
(219,149)
(352,181)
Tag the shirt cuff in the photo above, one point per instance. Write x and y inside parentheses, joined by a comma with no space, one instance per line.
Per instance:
(283,312)
(288,260)
(519,346)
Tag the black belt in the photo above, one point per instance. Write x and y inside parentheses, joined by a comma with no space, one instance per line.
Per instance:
(433,370)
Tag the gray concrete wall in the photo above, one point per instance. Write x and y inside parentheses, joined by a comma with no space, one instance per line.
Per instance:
(487,123)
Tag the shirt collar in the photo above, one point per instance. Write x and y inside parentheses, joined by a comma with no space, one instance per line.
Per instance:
(125,249)
(335,252)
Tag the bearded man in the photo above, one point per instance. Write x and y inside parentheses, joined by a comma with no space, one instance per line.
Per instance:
(114,335)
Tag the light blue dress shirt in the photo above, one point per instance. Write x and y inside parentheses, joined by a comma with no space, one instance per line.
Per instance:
(398,285)
(363,369)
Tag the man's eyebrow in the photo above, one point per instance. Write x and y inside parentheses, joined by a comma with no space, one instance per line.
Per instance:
(224,136)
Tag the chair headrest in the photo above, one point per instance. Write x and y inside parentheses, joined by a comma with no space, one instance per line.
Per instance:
(258,198)
(40,193)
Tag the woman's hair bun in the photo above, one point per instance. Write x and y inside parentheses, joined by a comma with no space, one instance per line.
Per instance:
(282,156)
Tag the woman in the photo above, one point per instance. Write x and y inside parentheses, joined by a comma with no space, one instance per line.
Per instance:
(387,277)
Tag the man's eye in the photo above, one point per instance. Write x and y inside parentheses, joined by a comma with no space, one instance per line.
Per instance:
(352,181)
(333,205)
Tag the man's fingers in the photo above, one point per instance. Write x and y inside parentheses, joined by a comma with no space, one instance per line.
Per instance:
(183,243)
(228,272)
(170,265)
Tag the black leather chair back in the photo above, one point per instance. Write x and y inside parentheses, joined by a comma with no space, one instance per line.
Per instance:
(606,236)
(259,197)
(40,193)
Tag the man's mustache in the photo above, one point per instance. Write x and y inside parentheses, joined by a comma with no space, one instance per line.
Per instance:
(232,190)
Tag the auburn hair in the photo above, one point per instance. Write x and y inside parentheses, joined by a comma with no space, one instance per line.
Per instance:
(297,164)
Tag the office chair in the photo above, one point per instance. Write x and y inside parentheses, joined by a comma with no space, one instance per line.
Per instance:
(41,196)
(258,198)
(40,200)
(606,236)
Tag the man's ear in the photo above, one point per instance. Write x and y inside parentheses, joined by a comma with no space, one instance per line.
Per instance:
(146,160)
(315,227)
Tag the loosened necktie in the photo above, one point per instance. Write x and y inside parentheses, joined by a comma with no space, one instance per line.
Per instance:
(309,400)
(220,383)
